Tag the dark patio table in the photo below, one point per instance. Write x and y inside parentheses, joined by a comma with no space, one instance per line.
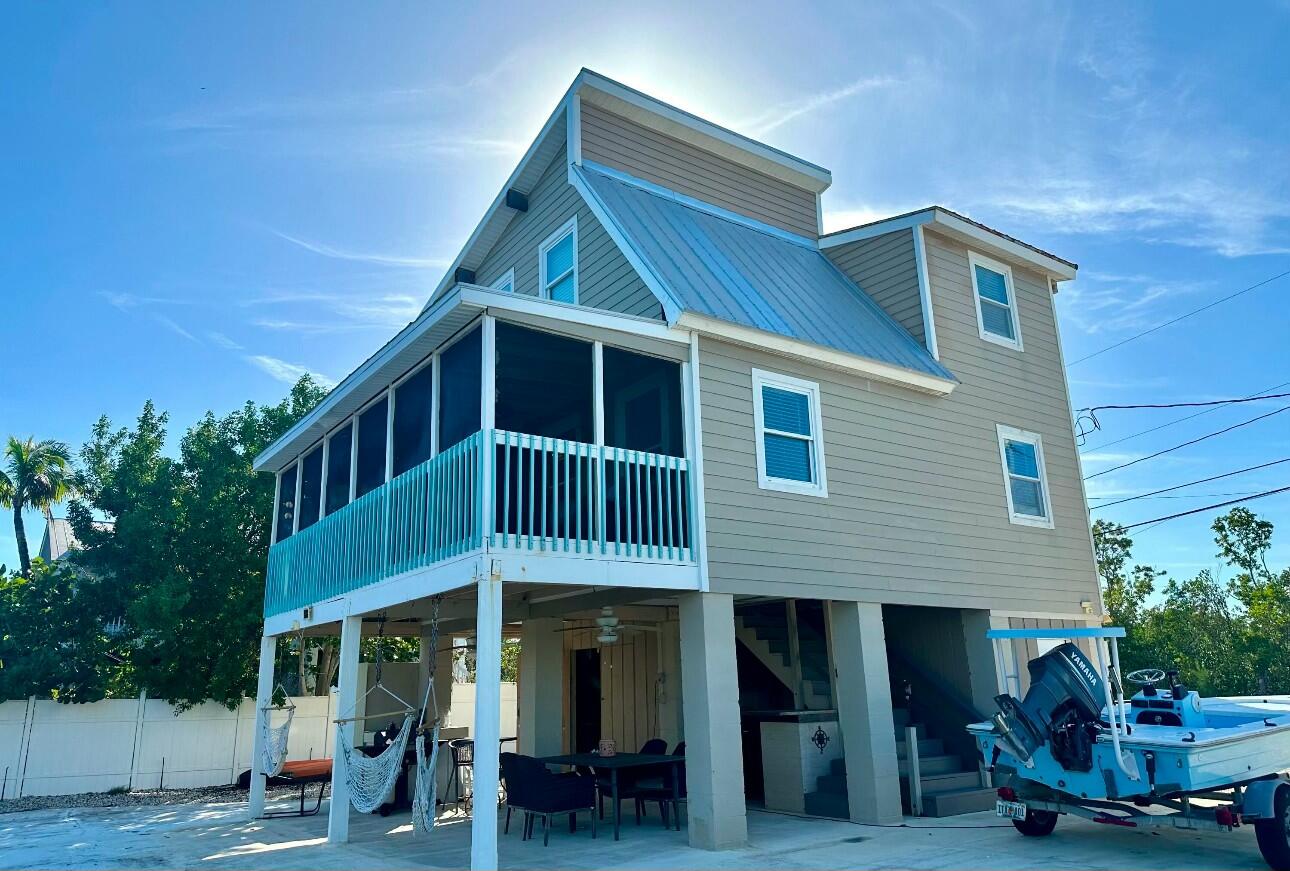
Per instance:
(618,762)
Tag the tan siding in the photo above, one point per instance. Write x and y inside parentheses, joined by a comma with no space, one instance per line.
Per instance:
(628,668)
(616,142)
(885,267)
(917,512)
(605,279)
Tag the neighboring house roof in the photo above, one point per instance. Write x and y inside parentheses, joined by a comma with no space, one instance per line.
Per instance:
(713,263)
(57,540)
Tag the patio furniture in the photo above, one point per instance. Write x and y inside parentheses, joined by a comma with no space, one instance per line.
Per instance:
(532,788)
(660,790)
(614,766)
(463,760)
(300,773)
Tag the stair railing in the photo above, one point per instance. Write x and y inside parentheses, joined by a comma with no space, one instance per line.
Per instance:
(913,771)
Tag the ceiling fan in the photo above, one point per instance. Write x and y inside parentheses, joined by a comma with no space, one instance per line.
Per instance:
(610,626)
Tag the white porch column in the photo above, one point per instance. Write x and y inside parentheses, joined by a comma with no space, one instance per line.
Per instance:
(863,699)
(541,727)
(714,763)
(488,715)
(351,631)
(263,692)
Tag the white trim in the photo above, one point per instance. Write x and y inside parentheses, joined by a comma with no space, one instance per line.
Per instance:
(295,505)
(966,232)
(353,458)
(568,229)
(693,411)
(818,486)
(818,354)
(671,307)
(506,283)
(574,314)
(1007,434)
(598,386)
(573,122)
(389,434)
(925,293)
(322,486)
(679,124)
(277,506)
(551,567)
(975,260)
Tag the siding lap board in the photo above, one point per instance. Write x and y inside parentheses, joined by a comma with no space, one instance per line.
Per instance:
(885,268)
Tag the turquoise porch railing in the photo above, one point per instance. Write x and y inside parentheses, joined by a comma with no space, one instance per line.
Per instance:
(548,495)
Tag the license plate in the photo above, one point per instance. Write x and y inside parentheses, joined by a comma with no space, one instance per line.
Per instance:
(1013,810)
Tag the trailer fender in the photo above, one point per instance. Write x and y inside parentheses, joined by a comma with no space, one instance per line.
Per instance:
(1260,798)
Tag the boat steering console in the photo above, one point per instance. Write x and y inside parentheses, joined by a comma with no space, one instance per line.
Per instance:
(1176,706)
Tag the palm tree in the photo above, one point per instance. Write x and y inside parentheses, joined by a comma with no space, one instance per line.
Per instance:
(37,475)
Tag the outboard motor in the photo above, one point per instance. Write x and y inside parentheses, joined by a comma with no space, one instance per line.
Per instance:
(1062,708)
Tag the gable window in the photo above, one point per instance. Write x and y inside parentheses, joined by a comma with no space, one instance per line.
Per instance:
(558,264)
(790,446)
(996,301)
(506,283)
(1024,479)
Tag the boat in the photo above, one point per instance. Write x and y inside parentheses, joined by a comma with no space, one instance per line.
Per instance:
(1075,744)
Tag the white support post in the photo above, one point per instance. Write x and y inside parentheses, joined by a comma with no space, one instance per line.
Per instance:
(541,707)
(488,715)
(694,440)
(351,630)
(598,388)
(263,694)
(487,420)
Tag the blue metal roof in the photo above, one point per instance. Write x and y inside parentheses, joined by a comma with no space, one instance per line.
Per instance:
(736,270)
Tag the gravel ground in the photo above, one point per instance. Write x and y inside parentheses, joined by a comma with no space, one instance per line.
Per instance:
(138,798)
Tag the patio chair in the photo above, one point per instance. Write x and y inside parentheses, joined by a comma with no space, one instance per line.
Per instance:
(627,780)
(534,789)
(462,763)
(659,789)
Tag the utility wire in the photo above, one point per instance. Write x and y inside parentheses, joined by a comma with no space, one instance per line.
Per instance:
(1188,443)
(1175,421)
(1181,496)
(1208,508)
(1193,483)
(1189,404)
(1181,317)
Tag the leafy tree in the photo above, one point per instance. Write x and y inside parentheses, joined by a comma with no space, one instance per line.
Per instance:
(37,474)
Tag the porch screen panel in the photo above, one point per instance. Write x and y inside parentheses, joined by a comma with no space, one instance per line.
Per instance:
(370,473)
(310,487)
(460,390)
(413,420)
(643,403)
(338,469)
(286,503)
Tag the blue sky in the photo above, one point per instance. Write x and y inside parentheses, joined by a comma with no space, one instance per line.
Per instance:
(204,200)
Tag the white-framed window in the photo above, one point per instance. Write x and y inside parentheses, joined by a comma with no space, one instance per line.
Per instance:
(1025,481)
(506,283)
(558,264)
(996,301)
(790,440)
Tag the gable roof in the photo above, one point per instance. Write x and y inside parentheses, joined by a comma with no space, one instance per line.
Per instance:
(704,261)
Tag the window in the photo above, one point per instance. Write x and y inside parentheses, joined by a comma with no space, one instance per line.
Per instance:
(1024,479)
(790,448)
(339,448)
(413,423)
(286,503)
(642,403)
(544,384)
(370,471)
(996,301)
(460,390)
(310,487)
(506,283)
(558,264)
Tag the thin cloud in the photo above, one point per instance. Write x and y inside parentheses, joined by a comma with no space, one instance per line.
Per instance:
(785,112)
(170,324)
(223,341)
(350,312)
(1099,303)
(127,301)
(384,259)
(287,373)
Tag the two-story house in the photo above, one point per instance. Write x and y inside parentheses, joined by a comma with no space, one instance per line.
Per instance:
(804,473)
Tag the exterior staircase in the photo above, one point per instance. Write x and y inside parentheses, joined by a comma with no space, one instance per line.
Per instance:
(949,788)
(764,631)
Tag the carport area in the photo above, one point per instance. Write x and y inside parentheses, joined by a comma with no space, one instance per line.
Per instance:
(219,836)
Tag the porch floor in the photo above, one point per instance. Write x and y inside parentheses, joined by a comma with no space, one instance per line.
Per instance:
(219,836)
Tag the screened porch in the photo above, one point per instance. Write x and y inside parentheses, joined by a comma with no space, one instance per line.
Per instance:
(506,439)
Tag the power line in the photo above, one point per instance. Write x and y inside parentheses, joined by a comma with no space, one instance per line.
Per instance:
(1189,443)
(1193,483)
(1189,404)
(1180,496)
(1208,508)
(1181,317)
(1175,421)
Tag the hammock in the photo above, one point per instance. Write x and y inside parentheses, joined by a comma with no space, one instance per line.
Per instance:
(370,778)
(273,754)
(424,795)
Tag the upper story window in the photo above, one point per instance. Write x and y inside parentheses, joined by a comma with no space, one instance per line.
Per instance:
(373,431)
(340,450)
(790,446)
(506,283)
(996,301)
(1024,478)
(286,503)
(558,264)
(311,468)
(410,439)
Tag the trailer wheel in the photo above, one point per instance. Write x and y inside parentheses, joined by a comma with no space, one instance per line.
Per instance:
(1039,823)
(1274,835)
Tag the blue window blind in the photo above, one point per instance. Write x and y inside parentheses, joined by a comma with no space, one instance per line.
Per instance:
(996,307)
(561,283)
(786,416)
(1023,479)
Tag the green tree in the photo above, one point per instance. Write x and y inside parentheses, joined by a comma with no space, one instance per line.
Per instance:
(37,474)
(1264,596)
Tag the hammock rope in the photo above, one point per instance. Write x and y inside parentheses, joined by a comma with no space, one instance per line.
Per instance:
(427,785)
(273,753)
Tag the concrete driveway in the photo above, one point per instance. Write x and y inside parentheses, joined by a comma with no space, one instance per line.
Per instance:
(219,836)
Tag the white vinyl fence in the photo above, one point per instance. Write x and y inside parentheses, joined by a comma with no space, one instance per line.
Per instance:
(47,748)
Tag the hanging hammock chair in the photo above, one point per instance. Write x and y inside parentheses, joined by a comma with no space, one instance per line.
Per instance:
(424,794)
(273,742)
